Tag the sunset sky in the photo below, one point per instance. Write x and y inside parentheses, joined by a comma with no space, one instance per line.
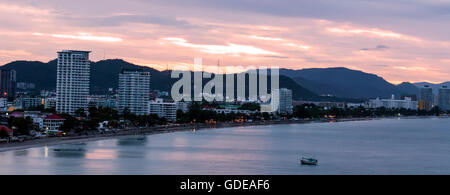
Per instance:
(405,40)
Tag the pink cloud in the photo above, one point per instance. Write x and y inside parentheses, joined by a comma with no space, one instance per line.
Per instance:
(82,36)
(157,38)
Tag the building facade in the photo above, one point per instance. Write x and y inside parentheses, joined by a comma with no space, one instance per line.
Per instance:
(53,123)
(50,102)
(25,86)
(72,85)
(392,103)
(163,109)
(183,106)
(3,103)
(8,83)
(27,102)
(134,91)
(444,98)
(426,98)
(285,101)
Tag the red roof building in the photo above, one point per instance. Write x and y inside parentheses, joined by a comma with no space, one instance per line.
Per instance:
(5,128)
(53,122)
(54,117)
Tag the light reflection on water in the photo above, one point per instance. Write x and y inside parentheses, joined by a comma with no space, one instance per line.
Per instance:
(365,147)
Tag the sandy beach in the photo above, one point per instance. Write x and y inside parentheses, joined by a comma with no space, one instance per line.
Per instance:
(51,141)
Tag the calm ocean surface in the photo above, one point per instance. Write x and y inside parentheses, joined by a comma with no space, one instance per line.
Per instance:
(389,146)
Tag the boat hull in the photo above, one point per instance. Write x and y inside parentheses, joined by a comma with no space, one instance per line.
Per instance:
(308,162)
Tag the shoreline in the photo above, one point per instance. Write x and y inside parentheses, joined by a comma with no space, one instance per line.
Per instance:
(53,141)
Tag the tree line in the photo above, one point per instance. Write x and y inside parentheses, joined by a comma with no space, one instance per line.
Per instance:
(90,120)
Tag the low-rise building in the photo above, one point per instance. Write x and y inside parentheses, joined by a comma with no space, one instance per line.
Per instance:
(50,102)
(108,103)
(325,105)
(235,111)
(163,109)
(355,105)
(183,106)
(392,103)
(3,103)
(37,117)
(53,122)
(25,86)
(27,102)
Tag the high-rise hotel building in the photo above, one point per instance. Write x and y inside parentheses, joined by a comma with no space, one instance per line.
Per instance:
(72,84)
(285,101)
(7,83)
(134,91)
(444,98)
(426,98)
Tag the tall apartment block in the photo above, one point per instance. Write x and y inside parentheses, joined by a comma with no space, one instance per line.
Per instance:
(285,101)
(134,91)
(72,84)
(426,98)
(444,98)
(8,83)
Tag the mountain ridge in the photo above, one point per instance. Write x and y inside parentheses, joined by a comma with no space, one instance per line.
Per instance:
(344,82)
(105,73)
(338,82)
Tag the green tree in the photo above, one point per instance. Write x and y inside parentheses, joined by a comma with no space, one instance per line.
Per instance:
(250,106)
(80,113)
(181,117)
(69,124)
(22,125)
(50,110)
(4,134)
(91,125)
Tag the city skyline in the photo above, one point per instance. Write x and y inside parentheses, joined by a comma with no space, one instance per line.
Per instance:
(385,38)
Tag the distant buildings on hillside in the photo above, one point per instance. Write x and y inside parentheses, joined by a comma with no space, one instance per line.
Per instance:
(426,98)
(444,98)
(134,94)
(26,86)
(392,103)
(8,84)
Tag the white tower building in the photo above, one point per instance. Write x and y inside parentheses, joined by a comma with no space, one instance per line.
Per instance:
(134,91)
(444,98)
(72,84)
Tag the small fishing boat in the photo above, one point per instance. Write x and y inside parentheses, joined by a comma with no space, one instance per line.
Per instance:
(309,161)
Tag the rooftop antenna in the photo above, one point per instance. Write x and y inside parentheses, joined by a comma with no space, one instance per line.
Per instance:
(218,66)
(203,67)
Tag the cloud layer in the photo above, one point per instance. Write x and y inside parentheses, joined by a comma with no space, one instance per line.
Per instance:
(401,40)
